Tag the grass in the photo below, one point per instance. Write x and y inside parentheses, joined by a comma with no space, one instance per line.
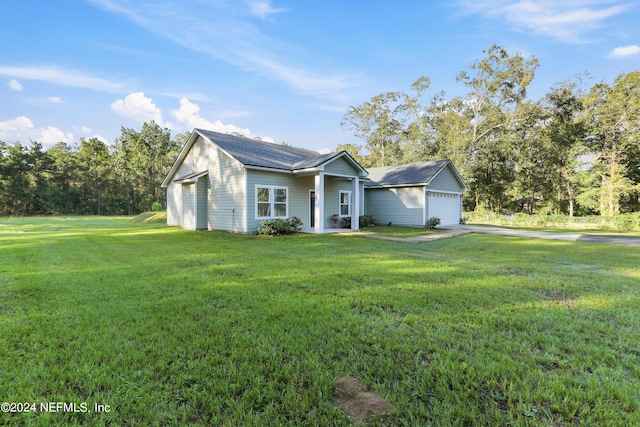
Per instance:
(397,231)
(171,327)
(151,218)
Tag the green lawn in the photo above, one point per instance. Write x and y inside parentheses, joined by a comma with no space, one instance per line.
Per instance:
(397,231)
(170,327)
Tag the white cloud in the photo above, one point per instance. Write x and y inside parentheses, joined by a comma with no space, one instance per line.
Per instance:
(22,129)
(263,9)
(61,77)
(55,100)
(138,107)
(101,138)
(567,21)
(624,51)
(187,115)
(87,132)
(52,135)
(15,85)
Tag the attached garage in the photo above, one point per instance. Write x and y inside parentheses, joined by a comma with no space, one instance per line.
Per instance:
(446,206)
(411,194)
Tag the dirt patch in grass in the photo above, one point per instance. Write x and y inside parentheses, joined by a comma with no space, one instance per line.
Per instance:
(361,405)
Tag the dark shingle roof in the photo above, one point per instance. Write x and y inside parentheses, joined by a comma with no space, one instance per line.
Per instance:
(414,173)
(251,152)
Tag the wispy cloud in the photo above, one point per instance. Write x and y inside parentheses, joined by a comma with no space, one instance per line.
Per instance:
(624,51)
(263,9)
(569,21)
(61,77)
(224,30)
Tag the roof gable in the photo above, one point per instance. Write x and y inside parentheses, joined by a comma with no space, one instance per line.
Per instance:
(251,152)
(410,174)
(254,153)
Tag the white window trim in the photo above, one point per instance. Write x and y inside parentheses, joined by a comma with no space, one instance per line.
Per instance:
(272,188)
(350,204)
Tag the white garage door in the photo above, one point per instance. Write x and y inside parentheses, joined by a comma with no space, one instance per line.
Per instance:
(444,206)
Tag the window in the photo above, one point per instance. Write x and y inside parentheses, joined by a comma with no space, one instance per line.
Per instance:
(271,201)
(345,203)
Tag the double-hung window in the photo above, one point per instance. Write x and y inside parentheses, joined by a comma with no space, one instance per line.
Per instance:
(345,203)
(271,202)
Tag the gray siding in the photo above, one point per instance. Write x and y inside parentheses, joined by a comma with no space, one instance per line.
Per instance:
(445,181)
(340,166)
(299,198)
(332,190)
(188,213)
(362,202)
(400,206)
(223,187)
(202,221)
(174,204)
(298,194)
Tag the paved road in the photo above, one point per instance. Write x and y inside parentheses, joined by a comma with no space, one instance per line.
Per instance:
(573,237)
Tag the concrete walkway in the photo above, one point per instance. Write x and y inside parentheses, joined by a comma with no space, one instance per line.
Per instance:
(442,234)
(458,230)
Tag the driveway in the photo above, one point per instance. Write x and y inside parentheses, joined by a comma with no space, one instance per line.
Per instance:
(572,237)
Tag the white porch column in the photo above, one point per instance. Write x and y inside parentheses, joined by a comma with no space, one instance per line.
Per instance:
(355,204)
(319,214)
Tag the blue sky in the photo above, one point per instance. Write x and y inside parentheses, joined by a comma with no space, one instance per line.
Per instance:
(282,70)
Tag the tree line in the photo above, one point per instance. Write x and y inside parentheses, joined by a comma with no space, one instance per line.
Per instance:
(575,151)
(89,177)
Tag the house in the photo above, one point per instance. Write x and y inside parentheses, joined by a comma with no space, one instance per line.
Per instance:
(411,194)
(226,182)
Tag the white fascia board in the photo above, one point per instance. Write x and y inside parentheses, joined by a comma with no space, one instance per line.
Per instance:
(180,159)
(262,168)
(429,190)
(307,171)
(417,184)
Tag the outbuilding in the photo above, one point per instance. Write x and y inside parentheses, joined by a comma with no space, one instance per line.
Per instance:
(412,194)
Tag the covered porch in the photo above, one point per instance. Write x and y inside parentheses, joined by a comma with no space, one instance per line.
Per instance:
(333,200)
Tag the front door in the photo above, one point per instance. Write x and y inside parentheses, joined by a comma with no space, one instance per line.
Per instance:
(312,208)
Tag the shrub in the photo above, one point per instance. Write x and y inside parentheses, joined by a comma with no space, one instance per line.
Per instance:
(367,221)
(345,222)
(432,222)
(363,221)
(280,227)
(156,207)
